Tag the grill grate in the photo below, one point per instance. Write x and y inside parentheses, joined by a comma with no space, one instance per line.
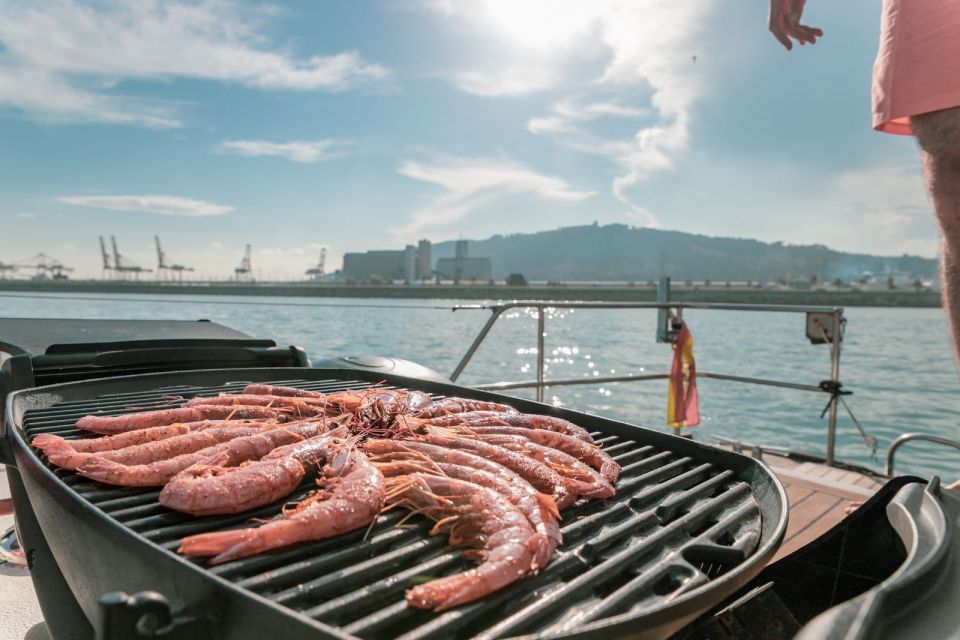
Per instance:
(675,524)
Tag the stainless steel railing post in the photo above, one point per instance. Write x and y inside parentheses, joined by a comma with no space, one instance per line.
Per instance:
(907,437)
(835,377)
(476,343)
(541,322)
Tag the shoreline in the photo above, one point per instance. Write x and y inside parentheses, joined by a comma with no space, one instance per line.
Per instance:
(574,291)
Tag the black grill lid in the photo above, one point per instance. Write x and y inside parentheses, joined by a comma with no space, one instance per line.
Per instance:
(689,524)
(61,350)
(36,336)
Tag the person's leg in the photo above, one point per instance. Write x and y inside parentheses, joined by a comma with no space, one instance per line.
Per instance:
(938,133)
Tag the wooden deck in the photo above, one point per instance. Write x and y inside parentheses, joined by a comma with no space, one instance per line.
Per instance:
(818,495)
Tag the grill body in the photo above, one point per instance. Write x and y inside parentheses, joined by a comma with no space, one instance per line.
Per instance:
(690,525)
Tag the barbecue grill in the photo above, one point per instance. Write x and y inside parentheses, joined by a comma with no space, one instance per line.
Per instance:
(689,525)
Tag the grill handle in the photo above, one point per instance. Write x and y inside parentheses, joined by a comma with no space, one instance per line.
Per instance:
(15,373)
(148,615)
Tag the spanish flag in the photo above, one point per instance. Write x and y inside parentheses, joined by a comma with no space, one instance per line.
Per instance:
(682,407)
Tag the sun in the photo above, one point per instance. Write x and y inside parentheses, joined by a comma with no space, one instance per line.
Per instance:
(539,24)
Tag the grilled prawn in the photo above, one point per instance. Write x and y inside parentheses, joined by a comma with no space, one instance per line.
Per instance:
(453,405)
(581,479)
(207,488)
(48,442)
(275,390)
(538,474)
(474,516)
(351,497)
(586,452)
(109,425)
(539,516)
(66,457)
(299,407)
(232,452)
(512,419)
(539,508)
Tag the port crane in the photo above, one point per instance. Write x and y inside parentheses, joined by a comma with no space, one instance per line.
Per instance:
(168,271)
(6,268)
(318,271)
(120,266)
(107,264)
(244,270)
(45,267)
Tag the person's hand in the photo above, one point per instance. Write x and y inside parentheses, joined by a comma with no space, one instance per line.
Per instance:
(785,23)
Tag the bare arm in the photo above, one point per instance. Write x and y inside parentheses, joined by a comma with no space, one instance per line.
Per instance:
(785,23)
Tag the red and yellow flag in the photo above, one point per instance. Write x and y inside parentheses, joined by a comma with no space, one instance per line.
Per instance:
(682,407)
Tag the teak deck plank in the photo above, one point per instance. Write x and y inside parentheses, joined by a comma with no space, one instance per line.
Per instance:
(796,493)
(810,518)
(818,470)
(808,511)
(839,489)
(815,529)
(818,497)
(869,483)
(783,461)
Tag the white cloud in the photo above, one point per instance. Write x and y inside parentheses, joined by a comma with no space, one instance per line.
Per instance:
(512,81)
(27,215)
(567,114)
(297,150)
(171,205)
(649,45)
(62,60)
(470,184)
(47,96)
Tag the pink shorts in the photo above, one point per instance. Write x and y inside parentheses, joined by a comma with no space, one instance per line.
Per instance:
(918,64)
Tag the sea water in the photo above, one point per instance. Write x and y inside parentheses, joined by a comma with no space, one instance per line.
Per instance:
(897,361)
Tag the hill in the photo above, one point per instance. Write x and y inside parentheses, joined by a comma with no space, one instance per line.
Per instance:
(620,252)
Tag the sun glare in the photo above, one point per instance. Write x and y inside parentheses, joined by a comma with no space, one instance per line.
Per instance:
(539,24)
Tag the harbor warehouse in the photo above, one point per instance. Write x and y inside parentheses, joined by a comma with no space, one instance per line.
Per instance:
(409,264)
(464,268)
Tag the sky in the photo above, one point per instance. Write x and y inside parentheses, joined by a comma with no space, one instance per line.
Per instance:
(370,125)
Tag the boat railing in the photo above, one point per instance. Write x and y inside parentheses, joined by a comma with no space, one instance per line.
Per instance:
(909,437)
(826,322)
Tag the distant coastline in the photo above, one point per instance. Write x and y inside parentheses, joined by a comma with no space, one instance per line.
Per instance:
(534,291)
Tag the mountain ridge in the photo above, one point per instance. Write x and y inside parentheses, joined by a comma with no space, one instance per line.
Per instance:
(620,252)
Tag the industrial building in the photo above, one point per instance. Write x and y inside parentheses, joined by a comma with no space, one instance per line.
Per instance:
(411,263)
(463,267)
(424,260)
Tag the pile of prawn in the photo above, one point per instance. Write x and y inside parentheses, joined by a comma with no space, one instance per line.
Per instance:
(493,479)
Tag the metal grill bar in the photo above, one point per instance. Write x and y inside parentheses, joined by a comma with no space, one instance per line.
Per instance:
(676,523)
